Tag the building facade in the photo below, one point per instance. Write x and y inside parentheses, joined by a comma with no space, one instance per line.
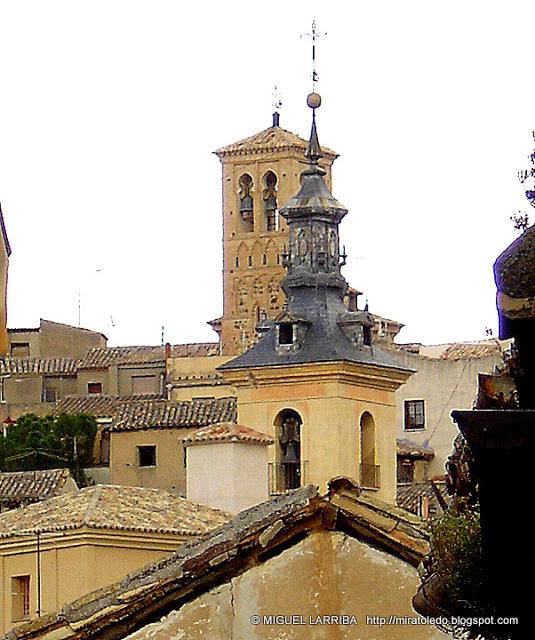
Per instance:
(65,547)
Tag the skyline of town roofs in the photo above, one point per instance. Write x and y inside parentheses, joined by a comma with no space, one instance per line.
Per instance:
(111,194)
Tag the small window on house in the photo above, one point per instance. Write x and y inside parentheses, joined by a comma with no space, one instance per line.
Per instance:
(367,335)
(237,262)
(286,333)
(146,455)
(264,259)
(405,471)
(94,387)
(250,261)
(414,414)
(20,349)
(50,395)
(20,598)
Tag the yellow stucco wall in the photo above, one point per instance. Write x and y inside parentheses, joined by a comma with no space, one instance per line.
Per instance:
(168,473)
(327,574)
(196,377)
(73,563)
(331,400)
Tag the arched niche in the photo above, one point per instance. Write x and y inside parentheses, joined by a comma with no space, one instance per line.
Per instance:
(369,471)
(288,452)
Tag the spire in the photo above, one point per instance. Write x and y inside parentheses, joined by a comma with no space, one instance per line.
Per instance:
(313,152)
(314,198)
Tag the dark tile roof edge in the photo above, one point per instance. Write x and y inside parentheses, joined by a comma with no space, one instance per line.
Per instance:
(119,609)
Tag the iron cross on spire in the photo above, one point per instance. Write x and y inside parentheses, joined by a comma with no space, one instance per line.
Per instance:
(314,36)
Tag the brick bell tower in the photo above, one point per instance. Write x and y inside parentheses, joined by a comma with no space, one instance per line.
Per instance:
(259,175)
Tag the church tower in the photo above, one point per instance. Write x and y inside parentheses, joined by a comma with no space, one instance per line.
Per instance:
(259,174)
(315,381)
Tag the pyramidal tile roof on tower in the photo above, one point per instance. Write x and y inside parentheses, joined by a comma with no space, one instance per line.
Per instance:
(267,141)
(114,507)
(227,432)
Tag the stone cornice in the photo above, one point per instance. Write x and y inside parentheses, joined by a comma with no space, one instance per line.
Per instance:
(385,378)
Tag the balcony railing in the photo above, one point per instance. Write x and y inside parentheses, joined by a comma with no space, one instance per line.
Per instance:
(370,476)
(279,476)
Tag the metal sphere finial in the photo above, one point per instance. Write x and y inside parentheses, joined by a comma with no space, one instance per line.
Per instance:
(314,100)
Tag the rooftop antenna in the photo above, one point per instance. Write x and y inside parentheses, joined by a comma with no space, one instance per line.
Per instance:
(314,36)
(277,105)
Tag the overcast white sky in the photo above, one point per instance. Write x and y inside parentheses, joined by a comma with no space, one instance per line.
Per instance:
(110,109)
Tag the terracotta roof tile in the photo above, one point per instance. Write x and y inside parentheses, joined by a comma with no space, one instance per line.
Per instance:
(150,411)
(412,449)
(227,432)
(410,496)
(39,366)
(166,414)
(269,140)
(114,507)
(245,541)
(100,406)
(38,485)
(100,358)
(456,350)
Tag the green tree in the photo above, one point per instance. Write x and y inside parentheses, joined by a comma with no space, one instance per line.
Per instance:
(35,442)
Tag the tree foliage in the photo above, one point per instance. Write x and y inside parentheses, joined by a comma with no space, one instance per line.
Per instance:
(35,442)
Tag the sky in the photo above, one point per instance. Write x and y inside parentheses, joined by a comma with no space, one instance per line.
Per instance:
(110,111)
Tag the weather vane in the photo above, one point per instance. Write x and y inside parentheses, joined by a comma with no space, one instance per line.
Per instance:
(314,36)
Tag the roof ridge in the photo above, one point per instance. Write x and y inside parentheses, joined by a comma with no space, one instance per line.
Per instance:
(92,503)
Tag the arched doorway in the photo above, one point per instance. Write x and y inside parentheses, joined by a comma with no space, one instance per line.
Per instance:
(369,471)
(288,439)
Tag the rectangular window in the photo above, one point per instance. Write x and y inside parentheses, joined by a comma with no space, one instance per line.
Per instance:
(50,395)
(414,414)
(20,598)
(286,333)
(20,349)
(94,387)
(405,471)
(146,455)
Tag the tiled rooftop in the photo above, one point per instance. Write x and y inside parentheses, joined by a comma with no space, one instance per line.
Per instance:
(100,358)
(227,432)
(166,414)
(114,507)
(410,496)
(268,140)
(244,542)
(411,449)
(457,350)
(98,405)
(20,485)
(150,411)
(39,366)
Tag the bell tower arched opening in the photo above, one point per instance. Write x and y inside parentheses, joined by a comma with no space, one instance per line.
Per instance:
(270,202)
(288,455)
